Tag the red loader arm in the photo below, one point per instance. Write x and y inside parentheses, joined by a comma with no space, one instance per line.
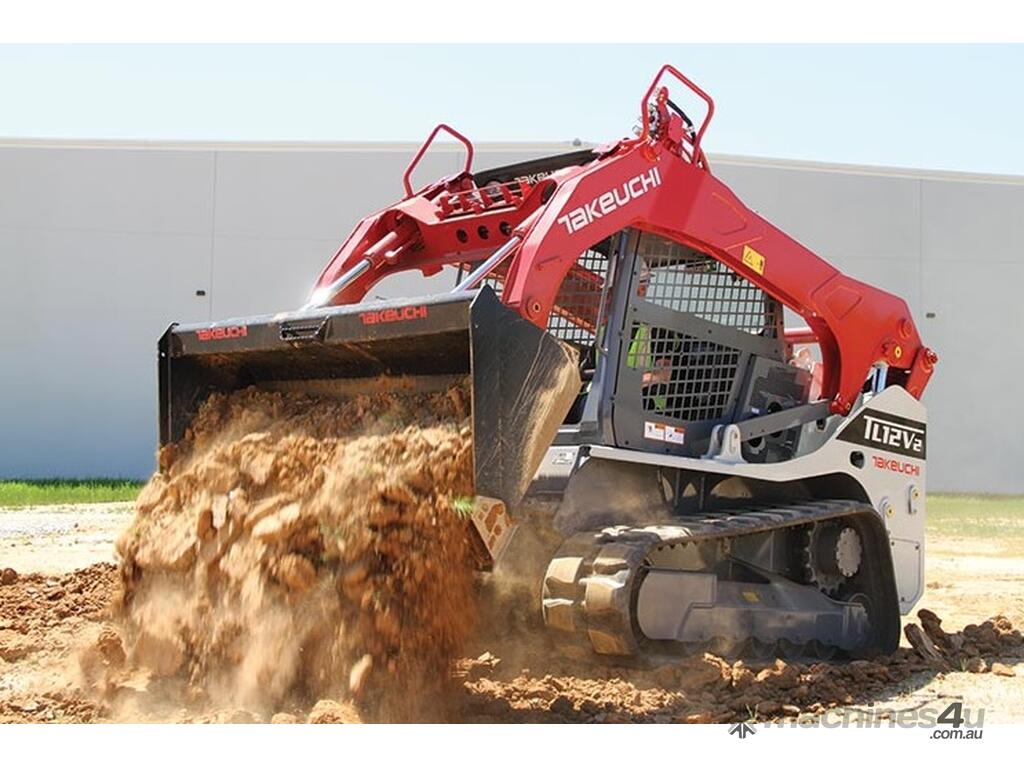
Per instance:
(660,183)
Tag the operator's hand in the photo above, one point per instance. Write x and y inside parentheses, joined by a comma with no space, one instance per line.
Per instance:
(660,374)
(803,359)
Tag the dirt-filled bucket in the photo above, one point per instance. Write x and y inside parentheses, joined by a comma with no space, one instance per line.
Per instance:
(521,380)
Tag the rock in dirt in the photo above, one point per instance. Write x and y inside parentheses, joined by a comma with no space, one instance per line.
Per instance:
(561,705)
(14,646)
(698,673)
(697,718)
(921,642)
(483,665)
(1003,670)
(241,717)
(976,664)
(328,711)
(284,718)
(109,646)
(8,576)
(768,708)
(296,572)
(487,659)
(932,626)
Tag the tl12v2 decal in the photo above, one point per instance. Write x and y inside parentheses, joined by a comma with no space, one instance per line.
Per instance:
(887,432)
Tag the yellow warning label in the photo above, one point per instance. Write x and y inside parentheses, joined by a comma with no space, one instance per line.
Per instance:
(753,259)
(751,597)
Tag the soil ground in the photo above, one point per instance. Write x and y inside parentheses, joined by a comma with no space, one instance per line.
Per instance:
(55,608)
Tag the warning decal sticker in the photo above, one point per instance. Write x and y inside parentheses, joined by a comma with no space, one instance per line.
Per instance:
(665,433)
(753,259)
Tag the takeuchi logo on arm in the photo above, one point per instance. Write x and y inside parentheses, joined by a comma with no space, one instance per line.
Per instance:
(607,202)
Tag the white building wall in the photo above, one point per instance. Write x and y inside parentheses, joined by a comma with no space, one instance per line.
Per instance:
(103,245)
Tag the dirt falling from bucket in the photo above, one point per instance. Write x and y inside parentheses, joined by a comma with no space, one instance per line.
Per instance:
(299,547)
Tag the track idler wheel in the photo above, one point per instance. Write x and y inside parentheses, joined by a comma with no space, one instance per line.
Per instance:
(833,555)
(590,592)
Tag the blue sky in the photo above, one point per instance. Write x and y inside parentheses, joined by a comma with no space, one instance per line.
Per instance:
(925,106)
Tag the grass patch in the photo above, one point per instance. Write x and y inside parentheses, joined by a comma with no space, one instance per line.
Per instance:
(25,493)
(982,517)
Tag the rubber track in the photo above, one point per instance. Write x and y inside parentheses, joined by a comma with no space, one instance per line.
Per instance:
(590,584)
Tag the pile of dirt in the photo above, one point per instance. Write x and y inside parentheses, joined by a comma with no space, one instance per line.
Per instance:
(35,613)
(40,628)
(298,547)
(51,707)
(709,689)
(34,603)
(976,648)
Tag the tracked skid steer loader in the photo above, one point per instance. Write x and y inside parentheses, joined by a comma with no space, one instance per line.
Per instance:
(719,480)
